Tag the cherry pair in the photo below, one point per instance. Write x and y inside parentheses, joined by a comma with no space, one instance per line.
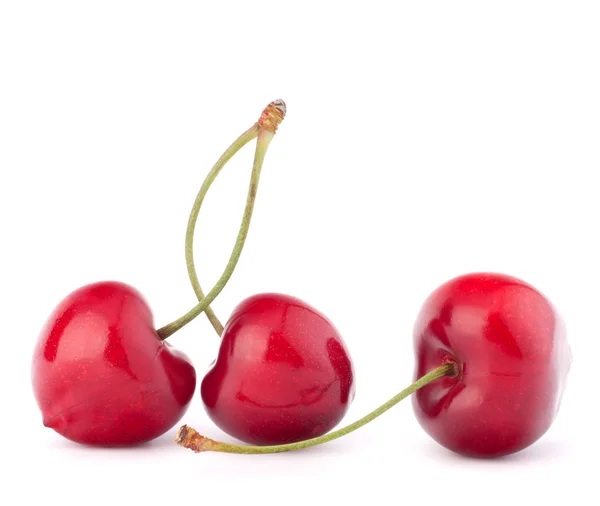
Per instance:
(491,361)
(103,375)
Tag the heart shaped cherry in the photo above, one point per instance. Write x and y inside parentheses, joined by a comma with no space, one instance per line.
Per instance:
(512,354)
(101,373)
(283,373)
(492,361)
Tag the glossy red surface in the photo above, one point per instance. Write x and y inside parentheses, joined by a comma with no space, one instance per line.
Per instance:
(283,373)
(513,356)
(102,376)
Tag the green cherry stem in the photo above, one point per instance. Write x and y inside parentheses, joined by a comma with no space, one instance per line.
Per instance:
(238,144)
(268,123)
(189,438)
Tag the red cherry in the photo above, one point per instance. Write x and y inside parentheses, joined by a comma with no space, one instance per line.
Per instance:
(102,375)
(283,373)
(512,354)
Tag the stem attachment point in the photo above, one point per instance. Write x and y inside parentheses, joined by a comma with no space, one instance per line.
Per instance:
(272,116)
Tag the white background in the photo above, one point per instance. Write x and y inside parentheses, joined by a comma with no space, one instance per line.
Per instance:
(423,140)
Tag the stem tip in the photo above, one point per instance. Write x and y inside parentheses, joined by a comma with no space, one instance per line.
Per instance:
(272,116)
(189,438)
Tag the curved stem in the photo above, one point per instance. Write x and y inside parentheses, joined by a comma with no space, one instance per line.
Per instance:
(238,144)
(189,438)
(264,139)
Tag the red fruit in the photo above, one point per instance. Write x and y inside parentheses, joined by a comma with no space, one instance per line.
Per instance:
(283,373)
(102,376)
(512,354)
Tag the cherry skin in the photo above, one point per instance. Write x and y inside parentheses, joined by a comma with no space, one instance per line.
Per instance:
(512,357)
(283,373)
(102,376)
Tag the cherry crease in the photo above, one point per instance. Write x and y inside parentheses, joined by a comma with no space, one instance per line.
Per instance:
(513,358)
(102,375)
(283,373)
